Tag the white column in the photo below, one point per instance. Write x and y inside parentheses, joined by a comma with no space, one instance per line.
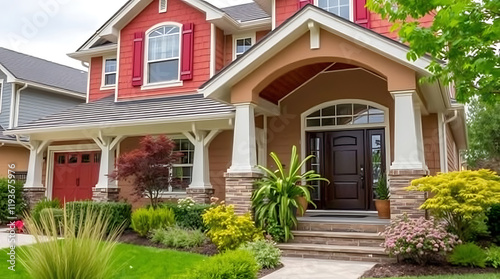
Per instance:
(408,142)
(244,158)
(35,164)
(201,166)
(107,165)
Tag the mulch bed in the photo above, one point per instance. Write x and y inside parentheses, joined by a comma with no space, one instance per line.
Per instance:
(267,271)
(404,269)
(131,237)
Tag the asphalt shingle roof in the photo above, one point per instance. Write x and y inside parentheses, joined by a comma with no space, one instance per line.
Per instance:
(107,110)
(246,12)
(41,71)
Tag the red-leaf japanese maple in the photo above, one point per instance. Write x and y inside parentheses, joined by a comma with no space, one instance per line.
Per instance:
(149,167)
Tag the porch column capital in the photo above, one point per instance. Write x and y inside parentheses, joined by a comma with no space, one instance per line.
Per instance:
(408,139)
(201,165)
(107,165)
(35,164)
(244,158)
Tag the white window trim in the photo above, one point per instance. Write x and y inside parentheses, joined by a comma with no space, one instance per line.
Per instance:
(2,84)
(242,36)
(386,125)
(178,194)
(160,10)
(103,78)
(351,8)
(156,85)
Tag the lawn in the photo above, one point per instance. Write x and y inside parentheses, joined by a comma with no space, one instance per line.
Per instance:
(137,262)
(468,276)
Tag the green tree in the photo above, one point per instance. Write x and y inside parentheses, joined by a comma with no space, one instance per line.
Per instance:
(464,33)
(483,125)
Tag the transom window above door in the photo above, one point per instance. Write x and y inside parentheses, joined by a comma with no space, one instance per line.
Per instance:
(345,114)
(341,8)
(163,54)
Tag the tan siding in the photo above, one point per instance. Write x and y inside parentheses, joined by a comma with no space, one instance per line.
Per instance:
(220,152)
(13,155)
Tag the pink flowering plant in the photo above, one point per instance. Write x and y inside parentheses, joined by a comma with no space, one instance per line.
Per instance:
(418,240)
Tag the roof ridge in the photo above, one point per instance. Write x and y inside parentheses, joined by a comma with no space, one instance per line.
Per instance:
(43,59)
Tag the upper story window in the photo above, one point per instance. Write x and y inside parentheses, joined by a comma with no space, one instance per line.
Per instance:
(339,7)
(241,45)
(109,72)
(163,54)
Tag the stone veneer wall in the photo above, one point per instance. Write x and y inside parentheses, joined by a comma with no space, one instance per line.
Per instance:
(403,201)
(239,189)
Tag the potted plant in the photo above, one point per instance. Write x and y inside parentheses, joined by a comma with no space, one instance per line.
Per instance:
(382,202)
(276,198)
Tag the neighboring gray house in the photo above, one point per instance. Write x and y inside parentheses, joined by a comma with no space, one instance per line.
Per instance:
(31,88)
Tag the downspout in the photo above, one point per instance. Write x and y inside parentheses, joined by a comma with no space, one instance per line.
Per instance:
(85,65)
(14,106)
(27,146)
(445,138)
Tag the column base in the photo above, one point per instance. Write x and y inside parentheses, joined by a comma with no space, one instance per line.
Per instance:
(33,195)
(105,194)
(403,201)
(239,190)
(200,195)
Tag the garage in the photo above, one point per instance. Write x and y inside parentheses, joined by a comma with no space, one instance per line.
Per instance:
(75,174)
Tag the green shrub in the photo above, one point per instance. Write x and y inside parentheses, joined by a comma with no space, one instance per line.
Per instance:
(468,254)
(275,230)
(265,252)
(118,213)
(20,203)
(237,264)
(47,213)
(227,230)
(460,197)
(188,213)
(144,220)
(493,222)
(493,256)
(41,205)
(61,253)
(177,237)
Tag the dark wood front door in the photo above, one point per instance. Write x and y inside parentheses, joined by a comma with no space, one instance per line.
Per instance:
(352,161)
(344,167)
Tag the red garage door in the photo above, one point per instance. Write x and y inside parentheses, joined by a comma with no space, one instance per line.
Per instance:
(75,174)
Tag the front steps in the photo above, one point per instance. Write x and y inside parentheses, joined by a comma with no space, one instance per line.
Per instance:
(348,239)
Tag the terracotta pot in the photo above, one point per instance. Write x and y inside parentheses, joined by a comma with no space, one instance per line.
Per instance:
(383,208)
(301,201)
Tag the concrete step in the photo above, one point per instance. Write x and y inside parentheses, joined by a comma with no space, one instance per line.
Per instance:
(340,226)
(335,252)
(338,238)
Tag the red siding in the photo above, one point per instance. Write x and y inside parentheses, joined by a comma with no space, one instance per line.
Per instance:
(177,12)
(229,49)
(95,92)
(219,50)
(285,9)
(261,34)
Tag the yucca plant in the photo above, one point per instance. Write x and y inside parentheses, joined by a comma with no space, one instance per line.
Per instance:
(61,251)
(275,198)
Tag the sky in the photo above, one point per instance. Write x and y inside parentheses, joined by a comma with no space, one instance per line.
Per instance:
(50,29)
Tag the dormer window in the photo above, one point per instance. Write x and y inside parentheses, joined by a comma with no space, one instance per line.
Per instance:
(242,44)
(163,54)
(109,72)
(341,8)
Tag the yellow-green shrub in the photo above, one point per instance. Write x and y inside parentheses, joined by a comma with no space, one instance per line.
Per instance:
(227,230)
(145,220)
(461,198)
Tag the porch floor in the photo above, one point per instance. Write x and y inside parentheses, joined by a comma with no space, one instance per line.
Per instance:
(343,217)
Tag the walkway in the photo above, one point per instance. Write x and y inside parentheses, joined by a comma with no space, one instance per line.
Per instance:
(301,268)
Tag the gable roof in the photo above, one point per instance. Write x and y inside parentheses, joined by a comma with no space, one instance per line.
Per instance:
(136,112)
(26,68)
(218,87)
(246,12)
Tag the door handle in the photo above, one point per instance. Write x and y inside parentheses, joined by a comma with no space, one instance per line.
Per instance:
(362,176)
(78,182)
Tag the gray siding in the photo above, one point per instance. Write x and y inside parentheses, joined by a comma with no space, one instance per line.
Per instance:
(35,104)
(6,98)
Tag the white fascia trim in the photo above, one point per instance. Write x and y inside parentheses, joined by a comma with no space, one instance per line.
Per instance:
(65,92)
(296,27)
(127,123)
(213,49)
(86,55)
(10,76)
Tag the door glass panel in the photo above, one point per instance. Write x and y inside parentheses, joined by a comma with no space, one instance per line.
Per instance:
(61,159)
(85,158)
(315,149)
(376,158)
(97,157)
(73,159)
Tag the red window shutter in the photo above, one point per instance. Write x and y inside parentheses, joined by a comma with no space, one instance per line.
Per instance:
(187,51)
(138,59)
(303,3)
(361,13)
